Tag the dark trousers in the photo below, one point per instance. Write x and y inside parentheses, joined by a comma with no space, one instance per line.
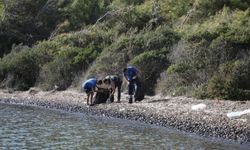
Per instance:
(132,87)
(118,85)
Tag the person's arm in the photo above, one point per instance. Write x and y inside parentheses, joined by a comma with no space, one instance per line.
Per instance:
(136,72)
(96,89)
(125,76)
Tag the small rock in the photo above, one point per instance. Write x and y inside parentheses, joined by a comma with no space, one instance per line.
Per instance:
(199,107)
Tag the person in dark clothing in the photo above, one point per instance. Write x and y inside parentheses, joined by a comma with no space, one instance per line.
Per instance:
(116,83)
(130,73)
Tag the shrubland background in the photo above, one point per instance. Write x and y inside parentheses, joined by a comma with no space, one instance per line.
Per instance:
(197,48)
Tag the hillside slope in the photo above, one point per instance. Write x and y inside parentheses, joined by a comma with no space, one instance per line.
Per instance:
(181,47)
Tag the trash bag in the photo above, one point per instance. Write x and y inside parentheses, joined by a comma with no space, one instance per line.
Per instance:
(111,98)
(139,93)
(101,97)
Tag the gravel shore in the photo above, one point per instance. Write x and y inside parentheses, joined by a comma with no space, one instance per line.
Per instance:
(175,112)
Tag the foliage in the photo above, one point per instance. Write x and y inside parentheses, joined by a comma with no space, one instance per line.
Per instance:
(54,62)
(176,8)
(181,47)
(147,47)
(81,12)
(231,81)
(150,64)
(19,70)
(202,51)
(233,27)
(1,9)
(76,51)
(178,68)
(27,21)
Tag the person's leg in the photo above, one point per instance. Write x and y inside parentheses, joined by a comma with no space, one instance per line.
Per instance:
(131,89)
(88,99)
(118,87)
(91,98)
(119,93)
(111,98)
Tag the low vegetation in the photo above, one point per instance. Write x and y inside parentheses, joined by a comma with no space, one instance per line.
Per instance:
(196,48)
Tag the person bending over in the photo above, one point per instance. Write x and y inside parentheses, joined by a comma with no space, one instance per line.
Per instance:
(89,87)
(116,83)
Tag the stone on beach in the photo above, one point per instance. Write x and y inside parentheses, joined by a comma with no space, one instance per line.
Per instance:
(199,107)
(238,113)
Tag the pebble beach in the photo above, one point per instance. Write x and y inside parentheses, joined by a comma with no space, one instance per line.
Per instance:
(210,120)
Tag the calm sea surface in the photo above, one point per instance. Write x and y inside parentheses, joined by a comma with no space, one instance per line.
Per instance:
(25,127)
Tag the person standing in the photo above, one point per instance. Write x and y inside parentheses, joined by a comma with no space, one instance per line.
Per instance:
(116,83)
(130,73)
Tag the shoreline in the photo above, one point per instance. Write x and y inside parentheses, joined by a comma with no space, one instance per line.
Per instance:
(171,112)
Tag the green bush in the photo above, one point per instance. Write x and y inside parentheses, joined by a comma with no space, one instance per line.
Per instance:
(125,3)
(231,81)
(150,64)
(178,68)
(203,9)
(19,70)
(72,53)
(187,73)
(57,73)
(128,47)
(67,64)
(200,91)
(1,9)
(54,62)
(231,26)
(81,12)
(172,84)
(179,79)
(175,8)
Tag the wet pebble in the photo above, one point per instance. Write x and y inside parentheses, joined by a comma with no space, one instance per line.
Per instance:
(206,127)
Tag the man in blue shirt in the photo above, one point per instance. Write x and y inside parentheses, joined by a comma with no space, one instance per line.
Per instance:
(130,73)
(89,87)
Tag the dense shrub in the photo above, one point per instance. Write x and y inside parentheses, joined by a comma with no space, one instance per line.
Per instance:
(125,3)
(150,64)
(1,9)
(19,70)
(232,81)
(203,48)
(74,53)
(148,47)
(179,79)
(230,26)
(81,12)
(175,8)
(202,9)
(62,70)
(54,62)
(187,45)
